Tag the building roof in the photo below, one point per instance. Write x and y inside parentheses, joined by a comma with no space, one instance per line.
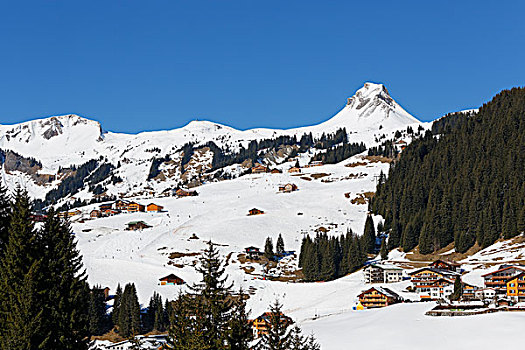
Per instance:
(433,269)
(136,222)
(385,267)
(449,262)
(383,290)
(171,276)
(503,269)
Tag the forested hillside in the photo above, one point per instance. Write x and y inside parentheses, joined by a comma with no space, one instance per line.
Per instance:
(464,186)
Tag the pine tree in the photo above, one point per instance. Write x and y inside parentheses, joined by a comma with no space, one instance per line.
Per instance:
(116,304)
(268,249)
(240,333)
(129,312)
(97,316)
(215,293)
(458,289)
(277,336)
(5,215)
(66,295)
(369,235)
(279,247)
(383,251)
(20,273)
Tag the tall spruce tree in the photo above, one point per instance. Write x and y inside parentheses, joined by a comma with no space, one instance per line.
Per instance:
(240,332)
(5,216)
(129,312)
(383,252)
(268,248)
(116,304)
(65,296)
(369,235)
(279,246)
(215,294)
(20,281)
(277,336)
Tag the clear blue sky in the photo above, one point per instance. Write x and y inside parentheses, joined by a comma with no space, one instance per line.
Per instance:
(149,65)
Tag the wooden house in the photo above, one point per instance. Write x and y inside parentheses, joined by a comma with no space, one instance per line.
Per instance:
(110,212)
(314,163)
(253,253)
(424,278)
(498,279)
(120,204)
(255,211)
(294,170)
(259,168)
(378,297)
(68,214)
(95,213)
(134,207)
(185,193)
(276,171)
(288,188)
(154,207)
(137,225)
(171,279)
(105,206)
(516,287)
(261,324)
(446,265)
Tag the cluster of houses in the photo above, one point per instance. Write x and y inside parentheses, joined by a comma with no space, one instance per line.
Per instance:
(259,168)
(436,282)
(254,253)
(119,206)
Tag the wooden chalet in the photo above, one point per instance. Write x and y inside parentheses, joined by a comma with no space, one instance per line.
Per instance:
(259,168)
(261,324)
(154,207)
(95,213)
(255,211)
(120,204)
(378,297)
(516,287)
(185,193)
(137,225)
(171,279)
(68,214)
(134,207)
(288,188)
(253,253)
(294,170)
(498,279)
(314,163)
(424,278)
(105,206)
(446,265)
(276,171)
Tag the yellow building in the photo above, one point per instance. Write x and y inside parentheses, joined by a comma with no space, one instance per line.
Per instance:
(378,297)
(516,287)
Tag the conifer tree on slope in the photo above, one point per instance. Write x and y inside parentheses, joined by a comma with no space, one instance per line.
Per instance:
(5,216)
(66,297)
(279,247)
(268,248)
(129,312)
(277,337)
(369,235)
(240,332)
(215,293)
(383,251)
(186,331)
(116,304)
(20,271)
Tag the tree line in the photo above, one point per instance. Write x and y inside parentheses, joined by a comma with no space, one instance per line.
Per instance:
(466,187)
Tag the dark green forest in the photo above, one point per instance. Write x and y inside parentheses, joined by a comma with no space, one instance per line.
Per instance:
(461,183)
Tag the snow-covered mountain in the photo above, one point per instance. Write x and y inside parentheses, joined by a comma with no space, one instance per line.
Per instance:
(59,142)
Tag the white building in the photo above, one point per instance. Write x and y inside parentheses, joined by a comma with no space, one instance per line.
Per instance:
(383,273)
(485,294)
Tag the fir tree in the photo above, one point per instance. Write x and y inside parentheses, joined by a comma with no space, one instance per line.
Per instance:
(458,289)
(369,235)
(5,215)
(214,292)
(268,249)
(279,247)
(129,312)
(116,304)
(383,251)
(277,336)
(240,333)
(66,295)
(20,281)
(97,312)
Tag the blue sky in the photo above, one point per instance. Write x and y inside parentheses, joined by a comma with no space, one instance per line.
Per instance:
(137,65)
